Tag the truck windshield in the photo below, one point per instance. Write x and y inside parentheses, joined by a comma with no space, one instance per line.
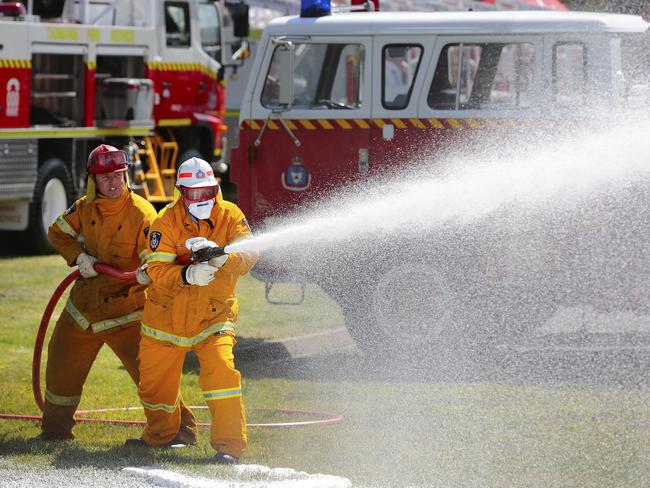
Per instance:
(326,76)
(210,34)
(177,24)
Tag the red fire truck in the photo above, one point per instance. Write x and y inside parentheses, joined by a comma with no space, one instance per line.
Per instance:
(141,74)
(342,98)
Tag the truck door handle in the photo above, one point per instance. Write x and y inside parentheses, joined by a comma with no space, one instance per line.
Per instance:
(166,84)
(202,85)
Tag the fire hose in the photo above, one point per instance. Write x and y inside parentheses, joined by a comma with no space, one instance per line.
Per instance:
(323,418)
(47,315)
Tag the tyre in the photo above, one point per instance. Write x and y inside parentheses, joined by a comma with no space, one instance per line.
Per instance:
(443,313)
(52,196)
(417,310)
(189,153)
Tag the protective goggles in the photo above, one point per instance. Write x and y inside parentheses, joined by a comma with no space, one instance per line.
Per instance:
(199,194)
(109,162)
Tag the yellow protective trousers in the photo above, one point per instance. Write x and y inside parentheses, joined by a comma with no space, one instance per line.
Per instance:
(71,353)
(161,367)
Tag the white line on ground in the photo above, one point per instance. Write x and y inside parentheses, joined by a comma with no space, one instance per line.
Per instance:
(249,476)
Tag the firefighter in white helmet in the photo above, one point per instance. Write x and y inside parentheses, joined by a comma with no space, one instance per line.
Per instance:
(110,225)
(194,308)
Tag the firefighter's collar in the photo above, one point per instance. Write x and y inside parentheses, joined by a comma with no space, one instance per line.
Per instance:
(111,206)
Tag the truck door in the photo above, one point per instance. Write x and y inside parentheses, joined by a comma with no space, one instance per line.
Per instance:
(174,78)
(210,22)
(318,142)
(399,66)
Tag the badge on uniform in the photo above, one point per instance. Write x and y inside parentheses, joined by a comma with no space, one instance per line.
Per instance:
(154,240)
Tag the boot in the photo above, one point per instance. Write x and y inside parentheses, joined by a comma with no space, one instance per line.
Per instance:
(222,458)
(176,443)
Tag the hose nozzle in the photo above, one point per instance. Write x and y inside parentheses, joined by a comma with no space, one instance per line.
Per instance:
(204,255)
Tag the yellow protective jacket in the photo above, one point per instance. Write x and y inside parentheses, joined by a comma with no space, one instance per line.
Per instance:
(183,314)
(115,232)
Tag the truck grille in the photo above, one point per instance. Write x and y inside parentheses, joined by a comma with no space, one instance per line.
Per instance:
(18,168)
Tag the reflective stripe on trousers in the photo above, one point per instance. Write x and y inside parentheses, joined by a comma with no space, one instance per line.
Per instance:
(182,341)
(102,325)
(63,401)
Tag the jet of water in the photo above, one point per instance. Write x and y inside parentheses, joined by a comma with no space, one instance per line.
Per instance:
(546,175)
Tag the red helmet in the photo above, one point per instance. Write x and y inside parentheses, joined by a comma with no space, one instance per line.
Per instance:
(107,159)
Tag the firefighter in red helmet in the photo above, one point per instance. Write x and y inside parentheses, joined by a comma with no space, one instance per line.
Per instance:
(194,308)
(110,224)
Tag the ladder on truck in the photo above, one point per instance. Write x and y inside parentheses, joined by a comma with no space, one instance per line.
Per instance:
(155,168)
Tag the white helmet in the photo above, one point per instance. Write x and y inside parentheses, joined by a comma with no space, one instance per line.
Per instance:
(195,173)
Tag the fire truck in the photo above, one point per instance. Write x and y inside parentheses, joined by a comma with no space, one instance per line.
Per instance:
(145,75)
(343,98)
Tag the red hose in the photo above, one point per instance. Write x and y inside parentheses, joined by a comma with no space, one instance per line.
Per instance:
(47,315)
(322,418)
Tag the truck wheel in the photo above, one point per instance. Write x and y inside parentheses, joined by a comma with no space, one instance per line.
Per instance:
(413,309)
(189,153)
(52,195)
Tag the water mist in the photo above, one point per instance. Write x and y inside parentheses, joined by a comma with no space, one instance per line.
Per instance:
(439,268)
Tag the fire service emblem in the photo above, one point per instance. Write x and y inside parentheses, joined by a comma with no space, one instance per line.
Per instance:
(296,177)
(154,240)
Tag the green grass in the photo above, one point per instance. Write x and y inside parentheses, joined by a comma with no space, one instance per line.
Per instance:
(400,429)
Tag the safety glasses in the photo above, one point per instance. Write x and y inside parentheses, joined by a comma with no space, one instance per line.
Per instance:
(109,162)
(199,194)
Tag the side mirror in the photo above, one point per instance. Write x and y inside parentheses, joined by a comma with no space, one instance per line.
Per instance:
(285,55)
(239,14)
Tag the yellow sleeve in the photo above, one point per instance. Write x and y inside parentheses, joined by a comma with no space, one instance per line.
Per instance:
(239,263)
(142,241)
(162,267)
(64,232)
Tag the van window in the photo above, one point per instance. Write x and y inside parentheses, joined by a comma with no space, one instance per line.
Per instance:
(325,76)
(569,73)
(400,65)
(483,76)
(177,24)
(635,70)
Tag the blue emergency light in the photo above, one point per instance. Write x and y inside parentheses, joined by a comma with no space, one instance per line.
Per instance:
(315,8)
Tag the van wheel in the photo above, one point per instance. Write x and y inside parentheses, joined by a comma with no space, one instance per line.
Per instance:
(413,310)
(52,195)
